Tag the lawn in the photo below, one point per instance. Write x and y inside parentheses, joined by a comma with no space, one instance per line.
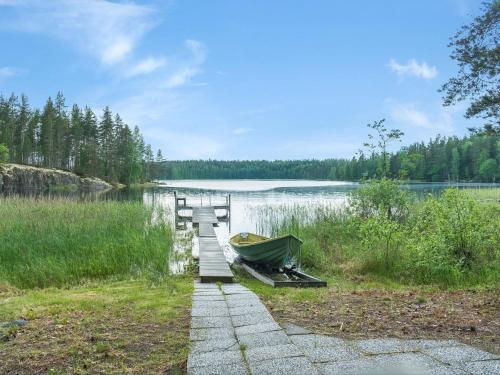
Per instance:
(111,327)
(89,283)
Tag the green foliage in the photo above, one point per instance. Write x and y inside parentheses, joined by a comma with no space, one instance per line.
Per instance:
(449,240)
(441,159)
(59,242)
(382,199)
(76,140)
(379,142)
(475,49)
(453,237)
(4,153)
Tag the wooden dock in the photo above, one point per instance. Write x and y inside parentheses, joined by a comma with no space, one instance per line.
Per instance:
(204,215)
(213,265)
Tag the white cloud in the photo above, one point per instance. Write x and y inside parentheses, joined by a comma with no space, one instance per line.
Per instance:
(8,71)
(239,131)
(108,30)
(408,114)
(181,77)
(146,66)
(413,68)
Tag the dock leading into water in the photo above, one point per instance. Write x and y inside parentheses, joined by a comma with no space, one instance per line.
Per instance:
(213,265)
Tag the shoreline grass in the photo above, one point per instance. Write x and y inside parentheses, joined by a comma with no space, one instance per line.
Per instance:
(450,241)
(58,242)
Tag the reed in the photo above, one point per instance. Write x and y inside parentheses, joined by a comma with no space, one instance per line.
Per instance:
(54,242)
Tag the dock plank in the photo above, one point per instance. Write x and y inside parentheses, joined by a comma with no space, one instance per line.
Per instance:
(204,215)
(213,263)
(206,230)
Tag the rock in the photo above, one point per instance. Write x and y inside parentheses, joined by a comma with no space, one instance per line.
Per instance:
(15,177)
(19,323)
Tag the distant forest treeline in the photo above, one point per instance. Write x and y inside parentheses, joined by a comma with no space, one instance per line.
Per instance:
(472,158)
(76,140)
(80,141)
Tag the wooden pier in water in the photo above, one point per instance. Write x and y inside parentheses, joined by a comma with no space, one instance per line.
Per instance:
(213,265)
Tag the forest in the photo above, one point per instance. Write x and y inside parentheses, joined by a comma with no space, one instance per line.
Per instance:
(472,158)
(80,141)
(76,140)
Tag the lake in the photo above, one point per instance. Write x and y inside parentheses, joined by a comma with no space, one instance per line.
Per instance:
(248,197)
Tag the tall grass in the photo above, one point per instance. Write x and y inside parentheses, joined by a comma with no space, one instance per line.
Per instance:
(57,242)
(451,240)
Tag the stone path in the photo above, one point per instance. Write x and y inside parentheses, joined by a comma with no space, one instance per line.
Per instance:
(233,333)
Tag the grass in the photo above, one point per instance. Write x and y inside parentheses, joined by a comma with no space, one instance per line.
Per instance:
(129,326)
(59,242)
(486,195)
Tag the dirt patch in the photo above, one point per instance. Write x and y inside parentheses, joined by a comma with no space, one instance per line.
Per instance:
(472,317)
(106,343)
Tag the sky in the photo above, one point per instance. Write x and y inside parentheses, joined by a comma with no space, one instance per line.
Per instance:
(242,79)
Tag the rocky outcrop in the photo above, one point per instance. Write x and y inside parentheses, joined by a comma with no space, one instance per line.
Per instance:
(20,177)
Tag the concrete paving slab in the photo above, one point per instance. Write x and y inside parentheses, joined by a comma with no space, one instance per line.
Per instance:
(315,341)
(263,353)
(264,339)
(427,344)
(380,346)
(453,355)
(208,304)
(210,321)
(363,366)
(257,328)
(218,344)
(198,334)
(241,302)
(210,312)
(234,292)
(483,367)
(250,319)
(210,292)
(198,285)
(209,298)
(292,329)
(284,366)
(331,353)
(243,310)
(223,369)
(406,362)
(214,358)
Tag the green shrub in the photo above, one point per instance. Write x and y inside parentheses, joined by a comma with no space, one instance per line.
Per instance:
(453,237)
(380,198)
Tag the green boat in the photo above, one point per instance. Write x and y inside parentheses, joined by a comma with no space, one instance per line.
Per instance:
(277,252)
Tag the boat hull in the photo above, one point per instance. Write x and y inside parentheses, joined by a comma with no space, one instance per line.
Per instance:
(275,252)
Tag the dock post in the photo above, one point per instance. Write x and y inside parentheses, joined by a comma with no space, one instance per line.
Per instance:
(229,210)
(176,219)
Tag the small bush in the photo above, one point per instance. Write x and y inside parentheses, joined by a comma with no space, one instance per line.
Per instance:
(453,237)
(380,198)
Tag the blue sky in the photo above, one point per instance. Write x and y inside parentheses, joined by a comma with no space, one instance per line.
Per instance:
(241,79)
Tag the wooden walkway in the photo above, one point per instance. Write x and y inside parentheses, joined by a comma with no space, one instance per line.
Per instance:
(205,215)
(213,263)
